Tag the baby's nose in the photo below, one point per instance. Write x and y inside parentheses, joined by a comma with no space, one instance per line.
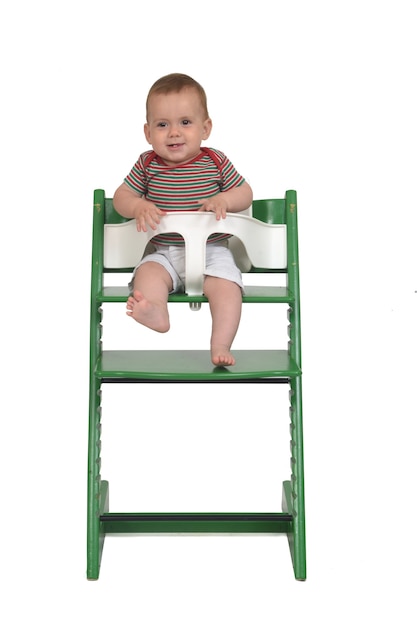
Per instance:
(174,130)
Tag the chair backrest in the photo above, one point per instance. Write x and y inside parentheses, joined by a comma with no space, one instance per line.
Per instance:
(259,241)
(266,240)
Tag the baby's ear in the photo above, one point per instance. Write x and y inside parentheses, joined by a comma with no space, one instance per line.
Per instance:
(207,126)
(147,132)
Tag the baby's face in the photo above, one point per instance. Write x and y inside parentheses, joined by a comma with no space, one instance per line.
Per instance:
(176,126)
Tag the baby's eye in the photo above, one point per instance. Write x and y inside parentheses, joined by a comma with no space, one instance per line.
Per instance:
(161,124)
(186,122)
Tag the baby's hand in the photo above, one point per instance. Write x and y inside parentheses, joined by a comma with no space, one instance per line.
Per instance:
(216,204)
(147,214)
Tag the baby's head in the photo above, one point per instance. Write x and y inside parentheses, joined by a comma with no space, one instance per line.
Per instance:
(174,83)
(177,120)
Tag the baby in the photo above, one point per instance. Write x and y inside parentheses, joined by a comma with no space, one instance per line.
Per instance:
(179,174)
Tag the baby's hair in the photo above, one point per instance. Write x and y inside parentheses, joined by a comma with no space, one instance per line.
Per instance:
(174,83)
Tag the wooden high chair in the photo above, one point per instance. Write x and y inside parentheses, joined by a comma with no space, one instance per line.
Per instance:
(265,242)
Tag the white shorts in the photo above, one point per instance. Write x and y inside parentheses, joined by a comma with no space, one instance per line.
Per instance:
(219,263)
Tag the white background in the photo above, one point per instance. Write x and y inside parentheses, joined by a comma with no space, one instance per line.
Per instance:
(314,96)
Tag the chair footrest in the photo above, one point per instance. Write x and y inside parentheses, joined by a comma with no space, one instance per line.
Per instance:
(191,365)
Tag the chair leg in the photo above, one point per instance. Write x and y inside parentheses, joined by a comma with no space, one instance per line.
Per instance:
(97,489)
(293,491)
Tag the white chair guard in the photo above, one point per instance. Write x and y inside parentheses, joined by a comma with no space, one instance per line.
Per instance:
(264,245)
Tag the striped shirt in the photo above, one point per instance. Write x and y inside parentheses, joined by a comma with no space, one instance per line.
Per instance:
(182,187)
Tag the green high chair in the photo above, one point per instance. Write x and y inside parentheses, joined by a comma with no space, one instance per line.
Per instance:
(265,242)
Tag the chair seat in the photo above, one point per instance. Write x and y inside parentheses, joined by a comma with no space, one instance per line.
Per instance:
(193,365)
(253,293)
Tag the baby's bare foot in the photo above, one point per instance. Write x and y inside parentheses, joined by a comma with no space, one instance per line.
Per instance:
(221,355)
(149,314)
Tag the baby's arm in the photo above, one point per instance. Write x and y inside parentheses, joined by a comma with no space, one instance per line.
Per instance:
(231,201)
(132,205)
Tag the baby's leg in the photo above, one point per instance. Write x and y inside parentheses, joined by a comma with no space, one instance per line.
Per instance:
(225,299)
(148,304)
